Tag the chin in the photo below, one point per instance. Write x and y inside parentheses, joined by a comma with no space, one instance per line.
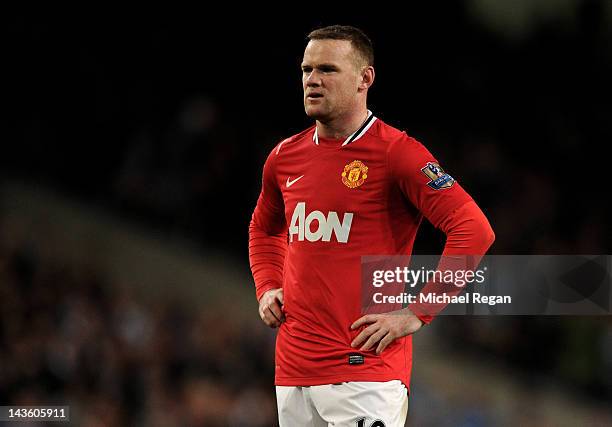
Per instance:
(314,112)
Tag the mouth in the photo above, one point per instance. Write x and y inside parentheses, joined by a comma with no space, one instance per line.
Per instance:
(314,96)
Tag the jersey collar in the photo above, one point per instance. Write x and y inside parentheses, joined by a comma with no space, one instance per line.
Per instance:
(355,135)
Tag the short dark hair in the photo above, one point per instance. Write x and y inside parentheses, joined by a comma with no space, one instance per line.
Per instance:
(361,43)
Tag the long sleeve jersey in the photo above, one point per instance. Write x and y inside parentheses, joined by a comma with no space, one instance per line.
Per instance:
(323,205)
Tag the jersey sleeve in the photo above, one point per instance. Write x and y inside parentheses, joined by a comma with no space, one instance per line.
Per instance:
(423,181)
(468,237)
(268,232)
(440,198)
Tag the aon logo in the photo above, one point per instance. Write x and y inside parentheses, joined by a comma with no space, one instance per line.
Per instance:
(301,225)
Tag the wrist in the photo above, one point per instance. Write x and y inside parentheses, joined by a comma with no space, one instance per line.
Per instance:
(270,286)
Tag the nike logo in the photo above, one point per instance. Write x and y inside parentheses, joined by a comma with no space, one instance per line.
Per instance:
(290,183)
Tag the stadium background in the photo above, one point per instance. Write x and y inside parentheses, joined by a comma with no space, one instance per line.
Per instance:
(132,153)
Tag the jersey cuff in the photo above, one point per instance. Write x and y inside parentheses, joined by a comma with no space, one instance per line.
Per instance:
(266,287)
(425,318)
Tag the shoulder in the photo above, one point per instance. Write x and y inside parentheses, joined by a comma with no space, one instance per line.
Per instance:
(292,140)
(405,154)
(285,145)
(396,140)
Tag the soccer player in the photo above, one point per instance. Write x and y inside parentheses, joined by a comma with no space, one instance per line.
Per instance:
(348,186)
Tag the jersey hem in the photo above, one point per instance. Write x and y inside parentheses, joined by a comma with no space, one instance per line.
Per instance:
(333,379)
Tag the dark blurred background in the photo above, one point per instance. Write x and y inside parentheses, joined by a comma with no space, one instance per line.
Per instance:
(133,146)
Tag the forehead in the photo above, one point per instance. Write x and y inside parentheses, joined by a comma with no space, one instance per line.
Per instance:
(328,51)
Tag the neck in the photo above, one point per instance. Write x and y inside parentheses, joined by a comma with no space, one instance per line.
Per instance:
(343,126)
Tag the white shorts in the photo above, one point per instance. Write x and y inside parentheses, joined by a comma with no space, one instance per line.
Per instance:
(349,404)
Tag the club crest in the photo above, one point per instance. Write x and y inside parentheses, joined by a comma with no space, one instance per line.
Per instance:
(354,174)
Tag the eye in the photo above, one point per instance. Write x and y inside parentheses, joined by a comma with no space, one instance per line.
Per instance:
(306,69)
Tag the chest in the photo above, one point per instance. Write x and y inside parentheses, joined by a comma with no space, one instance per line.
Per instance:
(340,181)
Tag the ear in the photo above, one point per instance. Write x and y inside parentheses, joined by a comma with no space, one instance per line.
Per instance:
(367,78)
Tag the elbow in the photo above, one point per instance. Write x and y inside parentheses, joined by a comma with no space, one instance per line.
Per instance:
(255,223)
(252,224)
(484,230)
(488,235)
(491,236)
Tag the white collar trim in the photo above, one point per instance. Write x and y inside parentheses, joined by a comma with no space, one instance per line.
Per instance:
(355,135)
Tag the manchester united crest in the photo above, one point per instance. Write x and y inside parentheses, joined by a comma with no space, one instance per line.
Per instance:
(354,174)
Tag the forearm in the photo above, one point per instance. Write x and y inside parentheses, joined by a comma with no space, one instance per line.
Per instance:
(468,237)
(266,257)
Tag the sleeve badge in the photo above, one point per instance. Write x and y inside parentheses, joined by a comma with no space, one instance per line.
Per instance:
(438,178)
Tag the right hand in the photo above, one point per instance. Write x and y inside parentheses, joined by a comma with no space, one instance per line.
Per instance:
(271,308)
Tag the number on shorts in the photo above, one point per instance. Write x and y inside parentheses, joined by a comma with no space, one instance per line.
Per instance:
(377,423)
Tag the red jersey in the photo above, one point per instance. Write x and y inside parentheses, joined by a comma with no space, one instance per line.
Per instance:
(325,203)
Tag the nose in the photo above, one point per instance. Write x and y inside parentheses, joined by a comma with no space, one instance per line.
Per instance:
(312,79)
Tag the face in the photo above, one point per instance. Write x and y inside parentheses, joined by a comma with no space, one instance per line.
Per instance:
(331,78)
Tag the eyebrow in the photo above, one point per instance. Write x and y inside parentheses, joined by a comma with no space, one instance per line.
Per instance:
(324,65)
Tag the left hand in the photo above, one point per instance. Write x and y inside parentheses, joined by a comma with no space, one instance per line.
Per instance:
(385,328)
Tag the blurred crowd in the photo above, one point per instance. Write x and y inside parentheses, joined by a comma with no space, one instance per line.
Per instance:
(68,337)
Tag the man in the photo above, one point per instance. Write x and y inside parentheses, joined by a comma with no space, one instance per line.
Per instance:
(348,186)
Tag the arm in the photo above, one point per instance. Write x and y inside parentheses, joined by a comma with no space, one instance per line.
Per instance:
(268,246)
(450,209)
(468,233)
